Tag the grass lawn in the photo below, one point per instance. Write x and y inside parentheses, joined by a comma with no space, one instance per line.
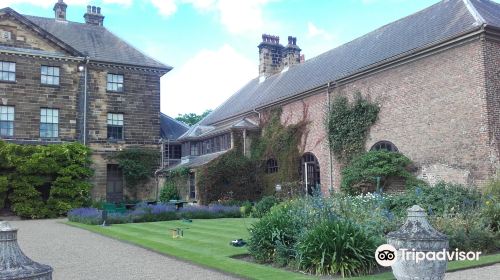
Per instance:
(206,242)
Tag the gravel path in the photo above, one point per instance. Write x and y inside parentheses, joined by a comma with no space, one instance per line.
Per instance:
(491,272)
(78,254)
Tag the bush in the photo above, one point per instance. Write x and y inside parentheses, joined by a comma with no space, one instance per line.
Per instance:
(337,246)
(246,209)
(169,192)
(443,198)
(154,213)
(467,232)
(273,237)
(364,168)
(45,181)
(91,216)
(263,206)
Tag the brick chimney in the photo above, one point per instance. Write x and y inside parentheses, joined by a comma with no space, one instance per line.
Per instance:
(93,16)
(291,53)
(270,55)
(60,10)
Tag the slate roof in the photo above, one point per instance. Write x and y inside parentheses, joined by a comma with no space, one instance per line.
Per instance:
(198,131)
(171,128)
(198,160)
(96,42)
(90,40)
(440,22)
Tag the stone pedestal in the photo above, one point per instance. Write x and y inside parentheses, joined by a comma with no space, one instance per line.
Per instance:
(13,263)
(418,234)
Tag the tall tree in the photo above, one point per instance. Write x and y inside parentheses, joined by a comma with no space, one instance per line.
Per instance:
(192,118)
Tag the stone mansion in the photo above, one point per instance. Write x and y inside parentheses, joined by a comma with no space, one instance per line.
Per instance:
(65,81)
(435,75)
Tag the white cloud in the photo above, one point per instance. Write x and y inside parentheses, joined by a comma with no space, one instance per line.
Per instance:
(237,16)
(165,7)
(119,2)
(205,81)
(314,31)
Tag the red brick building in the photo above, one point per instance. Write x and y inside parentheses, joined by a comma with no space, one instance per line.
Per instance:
(434,74)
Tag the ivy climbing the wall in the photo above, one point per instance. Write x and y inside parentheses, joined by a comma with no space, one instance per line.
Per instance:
(281,143)
(44,181)
(348,125)
(138,166)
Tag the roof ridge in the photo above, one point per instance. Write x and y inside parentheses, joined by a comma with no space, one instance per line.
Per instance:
(173,119)
(473,11)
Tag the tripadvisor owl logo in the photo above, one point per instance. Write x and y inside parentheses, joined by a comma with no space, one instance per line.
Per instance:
(385,255)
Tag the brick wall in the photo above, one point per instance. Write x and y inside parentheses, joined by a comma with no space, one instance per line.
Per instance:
(434,109)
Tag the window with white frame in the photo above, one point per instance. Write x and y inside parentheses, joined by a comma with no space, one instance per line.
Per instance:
(50,75)
(7,71)
(6,121)
(49,123)
(115,126)
(115,83)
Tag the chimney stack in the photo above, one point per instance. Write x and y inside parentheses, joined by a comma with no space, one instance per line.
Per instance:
(274,57)
(93,16)
(60,10)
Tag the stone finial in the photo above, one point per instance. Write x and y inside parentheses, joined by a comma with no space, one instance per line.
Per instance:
(418,235)
(14,264)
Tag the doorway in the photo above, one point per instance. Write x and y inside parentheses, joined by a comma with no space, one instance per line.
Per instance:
(309,169)
(114,186)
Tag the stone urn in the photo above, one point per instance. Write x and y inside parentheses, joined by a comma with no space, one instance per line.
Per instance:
(14,264)
(414,239)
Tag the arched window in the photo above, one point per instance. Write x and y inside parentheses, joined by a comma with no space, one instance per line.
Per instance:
(309,171)
(384,145)
(271,166)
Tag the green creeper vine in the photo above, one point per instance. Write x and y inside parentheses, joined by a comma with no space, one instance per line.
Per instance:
(348,125)
(281,143)
(138,165)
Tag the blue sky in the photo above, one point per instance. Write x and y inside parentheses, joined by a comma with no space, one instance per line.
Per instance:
(212,44)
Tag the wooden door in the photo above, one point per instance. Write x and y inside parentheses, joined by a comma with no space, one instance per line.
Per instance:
(114,188)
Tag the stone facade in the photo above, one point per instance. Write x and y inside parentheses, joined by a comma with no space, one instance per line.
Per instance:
(139,102)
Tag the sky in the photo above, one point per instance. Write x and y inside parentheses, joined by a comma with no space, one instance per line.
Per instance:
(212,44)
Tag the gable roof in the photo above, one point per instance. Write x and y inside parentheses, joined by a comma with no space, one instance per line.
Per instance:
(171,128)
(440,22)
(93,41)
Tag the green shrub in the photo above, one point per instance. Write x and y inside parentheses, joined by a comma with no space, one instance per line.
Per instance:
(336,246)
(263,206)
(169,192)
(246,209)
(467,232)
(490,212)
(279,228)
(443,198)
(4,187)
(364,168)
(45,181)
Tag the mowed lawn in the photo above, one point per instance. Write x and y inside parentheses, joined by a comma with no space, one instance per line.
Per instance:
(205,242)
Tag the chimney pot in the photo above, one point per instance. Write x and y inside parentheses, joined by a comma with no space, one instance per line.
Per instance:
(89,9)
(94,10)
(99,10)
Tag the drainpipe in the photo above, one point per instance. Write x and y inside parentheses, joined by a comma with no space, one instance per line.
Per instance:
(328,91)
(85,102)
(244,142)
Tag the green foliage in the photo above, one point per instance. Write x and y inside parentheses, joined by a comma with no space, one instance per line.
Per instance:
(364,168)
(4,187)
(169,192)
(348,125)
(231,176)
(442,198)
(337,246)
(467,232)
(45,181)
(138,165)
(246,209)
(192,118)
(179,172)
(281,143)
(274,236)
(263,206)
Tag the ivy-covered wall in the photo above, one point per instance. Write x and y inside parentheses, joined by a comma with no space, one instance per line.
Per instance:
(44,181)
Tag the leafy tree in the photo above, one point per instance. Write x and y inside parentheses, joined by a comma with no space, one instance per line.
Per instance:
(192,118)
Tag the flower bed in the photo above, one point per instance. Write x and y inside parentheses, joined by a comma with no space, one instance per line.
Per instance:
(153,213)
